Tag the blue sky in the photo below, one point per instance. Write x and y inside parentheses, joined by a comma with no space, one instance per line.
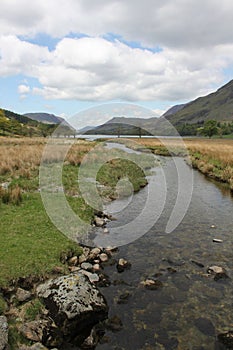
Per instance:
(63,57)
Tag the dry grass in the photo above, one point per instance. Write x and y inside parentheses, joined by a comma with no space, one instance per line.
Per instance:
(22,156)
(213,157)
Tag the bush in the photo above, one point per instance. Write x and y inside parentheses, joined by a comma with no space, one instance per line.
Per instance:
(11,195)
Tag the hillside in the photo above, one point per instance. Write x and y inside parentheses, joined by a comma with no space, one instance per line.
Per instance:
(14,124)
(187,118)
(44,118)
(217,105)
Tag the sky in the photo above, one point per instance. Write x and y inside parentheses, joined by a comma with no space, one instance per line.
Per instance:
(66,56)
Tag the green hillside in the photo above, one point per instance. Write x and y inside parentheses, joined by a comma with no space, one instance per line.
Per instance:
(217,105)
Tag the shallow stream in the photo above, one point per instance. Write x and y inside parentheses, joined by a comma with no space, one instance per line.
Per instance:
(191,308)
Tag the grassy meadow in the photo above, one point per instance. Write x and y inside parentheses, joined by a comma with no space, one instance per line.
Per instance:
(29,243)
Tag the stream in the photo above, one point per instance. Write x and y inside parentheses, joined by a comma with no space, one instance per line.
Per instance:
(191,308)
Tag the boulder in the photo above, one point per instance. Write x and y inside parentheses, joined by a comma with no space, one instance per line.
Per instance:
(3,332)
(23,295)
(74,304)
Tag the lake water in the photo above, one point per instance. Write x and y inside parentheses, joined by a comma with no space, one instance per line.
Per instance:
(191,308)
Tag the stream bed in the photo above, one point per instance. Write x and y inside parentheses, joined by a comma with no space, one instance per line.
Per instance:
(191,308)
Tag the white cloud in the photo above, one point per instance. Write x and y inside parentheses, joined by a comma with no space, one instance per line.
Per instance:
(17,56)
(98,70)
(194,37)
(176,23)
(23,89)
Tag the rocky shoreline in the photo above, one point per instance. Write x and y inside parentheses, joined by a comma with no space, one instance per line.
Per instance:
(72,311)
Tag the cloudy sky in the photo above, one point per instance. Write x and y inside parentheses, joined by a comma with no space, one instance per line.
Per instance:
(63,56)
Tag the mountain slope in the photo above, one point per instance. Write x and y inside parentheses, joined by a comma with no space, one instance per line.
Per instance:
(217,105)
(44,118)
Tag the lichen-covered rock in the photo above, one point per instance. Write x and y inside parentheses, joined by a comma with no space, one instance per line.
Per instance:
(3,332)
(74,304)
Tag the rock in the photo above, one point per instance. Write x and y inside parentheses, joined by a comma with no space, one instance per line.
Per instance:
(218,272)
(73,261)
(104,281)
(114,324)
(106,230)
(212,226)
(93,277)
(96,267)
(82,258)
(74,304)
(111,249)
(3,332)
(103,257)
(199,264)
(122,265)
(58,269)
(216,240)
(74,268)
(23,295)
(152,284)
(86,266)
(36,346)
(226,339)
(91,341)
(205,326)
(99,222)
(34,330)
(94,253)
(124,298)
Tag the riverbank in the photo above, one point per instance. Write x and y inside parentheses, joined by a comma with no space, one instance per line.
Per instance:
(212,157)
(31,247)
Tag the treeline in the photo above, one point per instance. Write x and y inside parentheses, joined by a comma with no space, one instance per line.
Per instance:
(207,128)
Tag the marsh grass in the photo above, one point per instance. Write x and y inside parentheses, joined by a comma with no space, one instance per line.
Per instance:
(213,157)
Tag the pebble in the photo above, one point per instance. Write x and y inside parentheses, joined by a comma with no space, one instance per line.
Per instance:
(152,284)
(96,267)
(123,265)
(106,230)
(86,266)
(216,240)
(103,257)
(73,260)
(93,277)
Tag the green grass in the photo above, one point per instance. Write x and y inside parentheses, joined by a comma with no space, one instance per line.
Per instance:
(33,310)
(29,242)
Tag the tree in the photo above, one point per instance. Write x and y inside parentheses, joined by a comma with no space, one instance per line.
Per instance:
(209,129)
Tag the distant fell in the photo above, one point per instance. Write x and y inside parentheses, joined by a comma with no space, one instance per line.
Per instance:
(45,118)
(217,105)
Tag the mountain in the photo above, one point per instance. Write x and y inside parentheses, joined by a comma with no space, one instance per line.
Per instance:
(45,118)
(186,118)
(217,105)
(173,110)
(85,129)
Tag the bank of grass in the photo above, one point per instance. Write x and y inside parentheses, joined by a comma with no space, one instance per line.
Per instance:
(29,243)
(213,157)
